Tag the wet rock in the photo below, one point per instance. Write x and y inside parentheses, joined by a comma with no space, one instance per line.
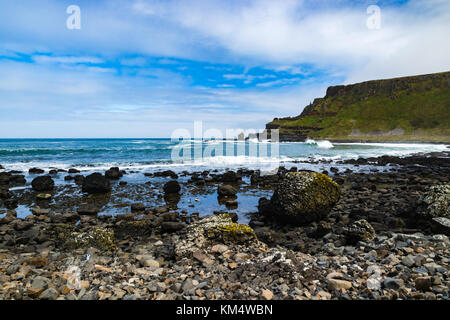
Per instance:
(303,197)
(35,171)
(360,230)
(87,209)
(230,176)
(96,183)
(172,187)
(43,183)
(166,173)
(5,194)
(226,190)
(113,173)
(73,170)
(139,206)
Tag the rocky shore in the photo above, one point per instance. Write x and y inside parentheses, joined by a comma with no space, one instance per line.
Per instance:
(338,234)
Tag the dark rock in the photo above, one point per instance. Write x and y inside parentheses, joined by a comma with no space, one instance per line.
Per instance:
(113,173)
(166,173)
(230,176)
(79,179)
(170,226)
(5,194)
(35,171)
(87,209)
(43,183)
(73,170)
(172,187)
(96,183)
(391,283)
(226,190)
(423,283)
(137,207)
(441,225)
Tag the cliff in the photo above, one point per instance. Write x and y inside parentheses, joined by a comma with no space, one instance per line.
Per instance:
(413,108)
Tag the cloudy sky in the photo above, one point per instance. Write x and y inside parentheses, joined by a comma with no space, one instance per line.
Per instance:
(144,68)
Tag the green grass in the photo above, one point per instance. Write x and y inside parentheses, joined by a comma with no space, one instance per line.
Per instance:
(422,111)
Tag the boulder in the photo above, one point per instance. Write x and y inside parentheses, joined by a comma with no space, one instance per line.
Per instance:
(96,183)
(35,171)
(230,176)
(166,173)
(43,183)
(113,173)
(172,187)
(303,197)
(226,190)
(441,225)
(360,230)
(435,203)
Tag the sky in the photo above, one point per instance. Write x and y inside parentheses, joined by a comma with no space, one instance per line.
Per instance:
(144,68)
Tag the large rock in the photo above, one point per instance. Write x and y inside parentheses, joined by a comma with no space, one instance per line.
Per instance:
(43,183)
(303,197)
(172,187)
(441,225)
(436,202)
(96,183)
(226,190)
(113,173)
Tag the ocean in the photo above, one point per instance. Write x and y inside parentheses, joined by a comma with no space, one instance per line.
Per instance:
(160,154)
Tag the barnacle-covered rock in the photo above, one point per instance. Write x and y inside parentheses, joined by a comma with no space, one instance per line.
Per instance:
(213,229)
(68,236)
(360,230)
(303,197)
(436,202)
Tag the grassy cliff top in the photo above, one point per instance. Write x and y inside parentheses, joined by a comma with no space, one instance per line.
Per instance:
(402,109)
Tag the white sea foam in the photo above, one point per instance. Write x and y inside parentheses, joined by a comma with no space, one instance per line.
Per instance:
(324,144)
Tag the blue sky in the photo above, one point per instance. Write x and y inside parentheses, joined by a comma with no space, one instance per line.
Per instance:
(144,68)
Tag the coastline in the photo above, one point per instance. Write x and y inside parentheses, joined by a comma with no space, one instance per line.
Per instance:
(157,237)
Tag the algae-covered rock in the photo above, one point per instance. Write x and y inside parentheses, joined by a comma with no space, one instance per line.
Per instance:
(436,202)
(68,236)
(211,230)
(303,197)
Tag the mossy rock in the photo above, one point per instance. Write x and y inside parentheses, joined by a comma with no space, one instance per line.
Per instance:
(223,229)
(435,203)
(303,197)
